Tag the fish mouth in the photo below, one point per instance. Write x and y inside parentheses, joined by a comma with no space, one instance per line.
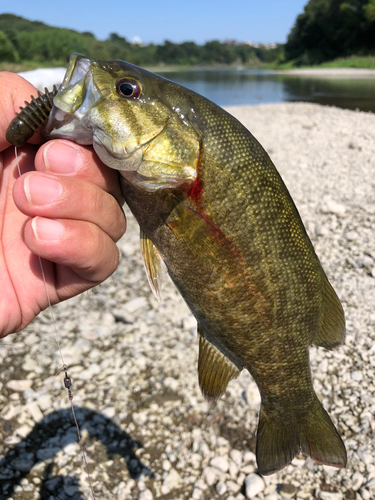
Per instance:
(73,102)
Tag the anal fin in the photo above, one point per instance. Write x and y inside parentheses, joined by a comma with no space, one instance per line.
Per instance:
(332,328)
(215,370)
(153,264)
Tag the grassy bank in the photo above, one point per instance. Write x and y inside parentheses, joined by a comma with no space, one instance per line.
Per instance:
(364,62)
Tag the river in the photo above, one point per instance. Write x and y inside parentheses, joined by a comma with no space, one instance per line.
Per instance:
(253,86)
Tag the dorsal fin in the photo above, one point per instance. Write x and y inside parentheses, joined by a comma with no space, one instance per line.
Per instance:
(215,371)
(332,327)
(153,264)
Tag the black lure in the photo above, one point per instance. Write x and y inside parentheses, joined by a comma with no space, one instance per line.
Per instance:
(30,118)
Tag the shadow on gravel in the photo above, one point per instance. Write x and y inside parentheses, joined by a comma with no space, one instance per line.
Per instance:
(54,433)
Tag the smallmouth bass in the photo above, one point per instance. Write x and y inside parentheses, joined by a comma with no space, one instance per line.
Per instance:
(212,206)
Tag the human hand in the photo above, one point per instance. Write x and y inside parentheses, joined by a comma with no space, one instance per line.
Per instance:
(65,208)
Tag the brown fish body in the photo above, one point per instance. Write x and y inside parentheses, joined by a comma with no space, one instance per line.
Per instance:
(210,202)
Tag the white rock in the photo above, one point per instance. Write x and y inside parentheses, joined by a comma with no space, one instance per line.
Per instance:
(89,373)
(210,475)
(233,470)
(140,418)
(189,322)
(197,494)
(146,495)
(166,465)
(10,411)
(233,486)
(331,207)
(23,430)
(19,385)
(367,458)
(357,481)
(370,483)
(44,401)
(220,463)
(172,480)
(110,411)
(34,410)
(252,396)
(135,304)
(12,440)
(249,456)
(30,365)
(365,261)
(31,339)
(72,449)
(123,316)
(351,235)
(365,494)
(254,484)
(236,456)
(330,495)
(171,383)
(221,488)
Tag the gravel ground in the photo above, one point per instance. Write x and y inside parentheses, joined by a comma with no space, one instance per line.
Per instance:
(147,430)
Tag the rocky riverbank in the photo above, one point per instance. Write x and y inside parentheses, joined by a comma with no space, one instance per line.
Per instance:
(147,430)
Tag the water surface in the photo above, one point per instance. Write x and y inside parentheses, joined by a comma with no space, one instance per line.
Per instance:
(248,86)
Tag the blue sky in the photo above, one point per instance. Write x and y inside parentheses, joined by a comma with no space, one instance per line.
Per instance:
(155,21)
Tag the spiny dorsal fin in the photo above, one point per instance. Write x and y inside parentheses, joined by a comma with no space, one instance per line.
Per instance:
(215,371)
(332,327)
(153,264)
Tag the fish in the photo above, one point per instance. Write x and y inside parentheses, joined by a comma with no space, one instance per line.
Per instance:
(214,210)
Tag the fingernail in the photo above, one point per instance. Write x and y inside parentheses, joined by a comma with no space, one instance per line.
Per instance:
(61,158)
(40,190)
(46,229)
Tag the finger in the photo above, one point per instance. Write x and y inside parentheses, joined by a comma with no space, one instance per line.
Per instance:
(70,159)
(59,197)
(81,246)
(14,91)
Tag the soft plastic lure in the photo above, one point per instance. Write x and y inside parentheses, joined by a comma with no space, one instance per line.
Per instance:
(30,118)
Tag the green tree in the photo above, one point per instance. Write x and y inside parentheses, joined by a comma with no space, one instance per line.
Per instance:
(8,52)
(328,29)
(369,10)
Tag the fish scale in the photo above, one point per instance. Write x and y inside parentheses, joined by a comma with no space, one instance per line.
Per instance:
(213,207)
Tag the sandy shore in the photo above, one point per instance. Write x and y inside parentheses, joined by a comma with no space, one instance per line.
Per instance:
(331,72)
(149,434)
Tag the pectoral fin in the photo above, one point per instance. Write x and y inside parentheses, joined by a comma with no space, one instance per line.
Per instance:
(215,371)
(153,264)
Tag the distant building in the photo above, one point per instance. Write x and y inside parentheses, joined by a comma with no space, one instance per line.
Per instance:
(137,40)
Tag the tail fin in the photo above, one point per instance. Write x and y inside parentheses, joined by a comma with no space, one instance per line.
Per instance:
(315,435)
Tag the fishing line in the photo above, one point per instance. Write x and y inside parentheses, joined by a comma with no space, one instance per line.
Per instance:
(67,379)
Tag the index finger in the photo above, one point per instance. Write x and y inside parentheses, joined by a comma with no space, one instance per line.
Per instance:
(14,90)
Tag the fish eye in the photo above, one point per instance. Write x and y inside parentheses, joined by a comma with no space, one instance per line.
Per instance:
(127,87)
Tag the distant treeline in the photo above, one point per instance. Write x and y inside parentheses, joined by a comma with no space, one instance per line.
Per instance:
(24,40)
(329,29)
(326,30)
